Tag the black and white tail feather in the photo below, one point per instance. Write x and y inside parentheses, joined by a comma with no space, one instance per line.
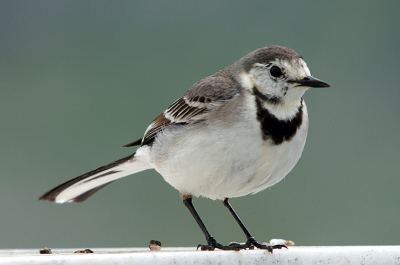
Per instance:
(83,186)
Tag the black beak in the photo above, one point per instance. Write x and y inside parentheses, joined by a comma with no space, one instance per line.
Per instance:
(312,82)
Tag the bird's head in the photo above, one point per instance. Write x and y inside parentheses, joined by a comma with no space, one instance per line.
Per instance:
(277,74)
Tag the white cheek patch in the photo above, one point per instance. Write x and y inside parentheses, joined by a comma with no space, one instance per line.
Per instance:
(260,77)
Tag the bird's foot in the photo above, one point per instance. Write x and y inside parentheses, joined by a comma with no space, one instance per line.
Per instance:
(252,242)
(213,244)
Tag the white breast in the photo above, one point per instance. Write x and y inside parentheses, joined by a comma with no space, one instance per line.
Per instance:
(220,161)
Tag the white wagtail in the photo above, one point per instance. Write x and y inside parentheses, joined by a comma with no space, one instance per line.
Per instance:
(233,133)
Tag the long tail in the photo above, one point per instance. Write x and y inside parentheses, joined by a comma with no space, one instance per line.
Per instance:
(82,187)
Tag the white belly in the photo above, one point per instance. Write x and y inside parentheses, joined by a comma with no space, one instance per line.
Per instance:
(219,165)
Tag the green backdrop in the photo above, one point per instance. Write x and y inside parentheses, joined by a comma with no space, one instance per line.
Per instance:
(79,79)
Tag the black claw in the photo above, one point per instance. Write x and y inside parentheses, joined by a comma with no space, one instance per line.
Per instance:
(252,242)
(279,246)
(205,247)
(213,244)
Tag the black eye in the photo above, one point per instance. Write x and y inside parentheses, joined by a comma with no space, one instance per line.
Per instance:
(275,71)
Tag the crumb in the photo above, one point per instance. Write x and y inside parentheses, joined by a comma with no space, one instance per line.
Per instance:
(86,250)
(277,241)
(155,245)
(45,250)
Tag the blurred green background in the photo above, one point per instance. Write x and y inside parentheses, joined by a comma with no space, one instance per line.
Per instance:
(79,79)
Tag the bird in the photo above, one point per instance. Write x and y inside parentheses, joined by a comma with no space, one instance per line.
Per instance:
(233,133)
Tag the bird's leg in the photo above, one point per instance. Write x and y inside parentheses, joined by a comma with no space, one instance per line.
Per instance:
(211,242)
(251,241)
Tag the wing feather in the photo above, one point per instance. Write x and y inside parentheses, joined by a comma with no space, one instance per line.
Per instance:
(205,96)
